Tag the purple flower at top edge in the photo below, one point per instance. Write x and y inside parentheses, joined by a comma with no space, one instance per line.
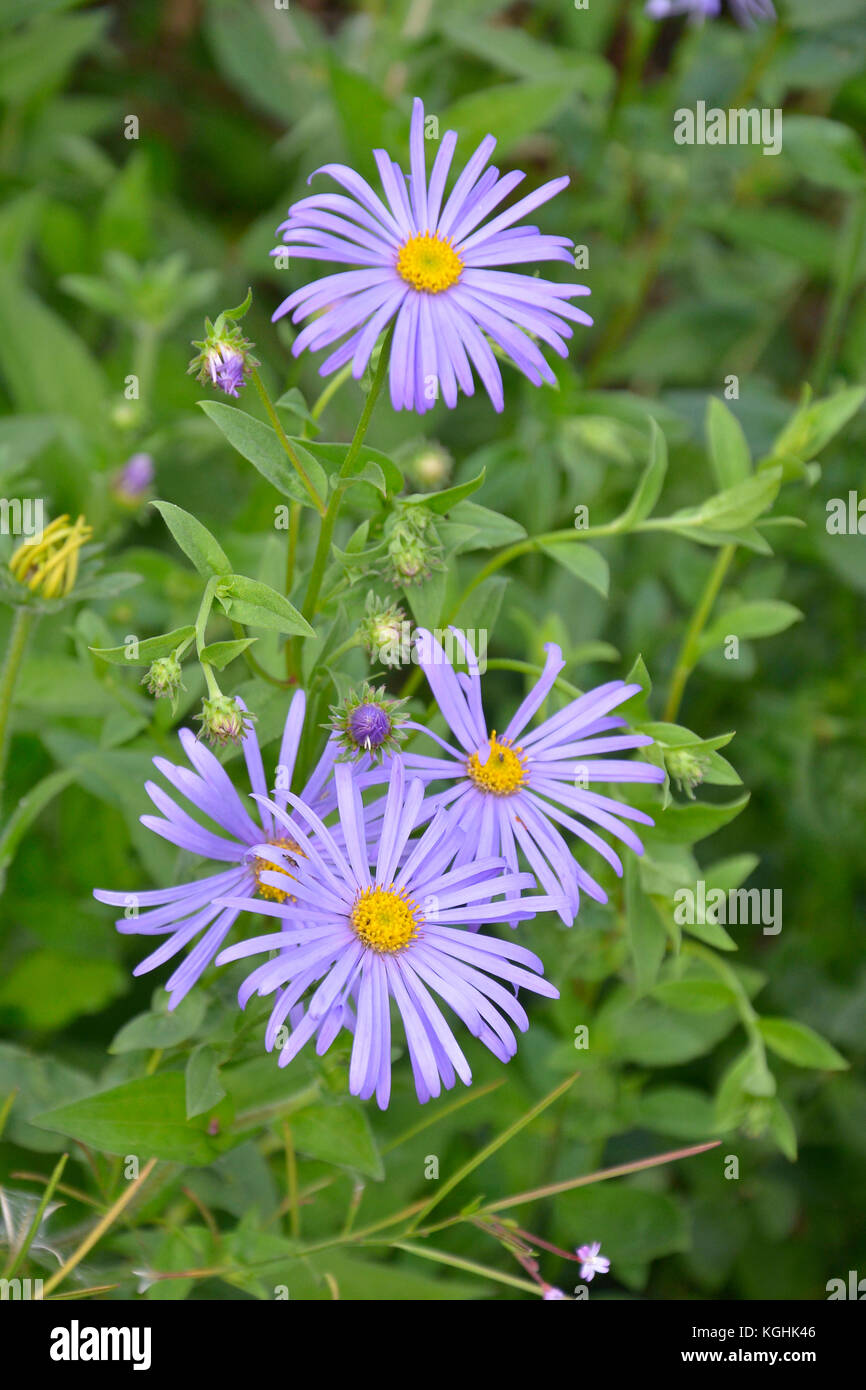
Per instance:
(744,11)
(433,264)
(189,910)
(507,795)
(695,9)
(592,1261)
(364,927)
(747,11)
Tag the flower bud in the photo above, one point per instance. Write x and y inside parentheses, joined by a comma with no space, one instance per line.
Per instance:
(163,677)
(131,484)
(366,723)
(48,564)
(224,356)
(223,719)
(385,632)
(685,768)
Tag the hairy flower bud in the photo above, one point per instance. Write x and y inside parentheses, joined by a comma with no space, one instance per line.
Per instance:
(223,719)
(224,356)
(164,677)
(685,768)
(385,632)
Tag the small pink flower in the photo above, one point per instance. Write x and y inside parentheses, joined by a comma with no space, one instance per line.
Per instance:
(551,1293)
(593,1262)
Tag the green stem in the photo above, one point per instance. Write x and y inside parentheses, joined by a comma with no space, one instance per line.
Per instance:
(292,1182)
(326,531)
(22,625)
(330,390)
(849,259)
(491,1148)
(749,1016)
(284,441)
(529,668)
(469,1266)
(17,1257)
(688,655)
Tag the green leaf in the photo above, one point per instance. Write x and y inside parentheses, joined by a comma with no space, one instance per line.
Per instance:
(442,502)
(680,1111)
(45,365)
(695,996)
(815,424)
(258,444)
(646,931)
(204,1088)
(827,152)
(686,824)
(644,1032)
(630,1223)
(512,109)
(646,494)
(159,1028)
(729,451)
(147,651)
(145,1117)
(220,654)
(38,57)
(338,1134)
(582,561)
(489,529)
(734,508)
(255,604)
(782,1128)
(293,402)
(38,1081)
(195,540)
(30,988)
(332,456)
(800,1044)
(756,618)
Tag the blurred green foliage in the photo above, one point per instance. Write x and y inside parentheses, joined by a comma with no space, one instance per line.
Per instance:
(147,153)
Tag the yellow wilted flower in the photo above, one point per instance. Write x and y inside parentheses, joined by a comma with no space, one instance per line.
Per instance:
(49,565)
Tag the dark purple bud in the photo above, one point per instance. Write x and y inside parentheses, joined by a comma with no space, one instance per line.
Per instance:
(369,726)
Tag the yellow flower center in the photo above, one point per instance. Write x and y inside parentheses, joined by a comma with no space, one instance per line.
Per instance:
(267,890)
(429,263)
(504,770)
(385,920)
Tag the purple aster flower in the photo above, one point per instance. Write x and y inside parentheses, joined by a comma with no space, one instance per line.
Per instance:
(593,1262)
(506,795)
(189,910)
(432,263)
(364,927)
